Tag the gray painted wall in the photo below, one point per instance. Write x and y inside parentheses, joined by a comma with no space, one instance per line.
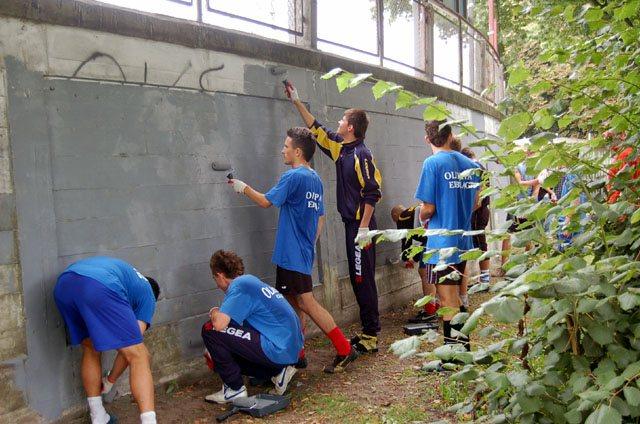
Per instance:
(101,167)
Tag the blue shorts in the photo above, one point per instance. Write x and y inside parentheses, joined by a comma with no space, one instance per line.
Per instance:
(91,310)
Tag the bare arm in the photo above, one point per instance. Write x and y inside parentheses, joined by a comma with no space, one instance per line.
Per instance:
(307,117)
(366,215)
(528,183)
(477,202)
(220,320)
(291,92)
(256,197)
(320,226)
(426,211)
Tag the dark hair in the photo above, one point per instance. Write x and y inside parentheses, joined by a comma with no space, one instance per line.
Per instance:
(226,262)
(154,286)
(456,144)
(468,152)
(357,118)
(436,135)
(304,140)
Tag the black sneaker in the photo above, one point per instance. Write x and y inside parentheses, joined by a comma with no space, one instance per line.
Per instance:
(365,343)
(341,362)
(423,317)
(302,363)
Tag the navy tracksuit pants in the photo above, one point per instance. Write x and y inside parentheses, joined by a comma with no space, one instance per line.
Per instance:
(236,351)
(362,272)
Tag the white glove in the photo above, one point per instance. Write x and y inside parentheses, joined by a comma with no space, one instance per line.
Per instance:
(362,238)
(238,186)
(292,93)
(106,385)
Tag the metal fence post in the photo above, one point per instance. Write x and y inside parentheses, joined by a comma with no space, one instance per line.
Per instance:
(380,22)
(460,56)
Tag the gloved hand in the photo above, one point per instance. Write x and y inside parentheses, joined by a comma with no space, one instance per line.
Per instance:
(238,186)
(106,385)
(291,93)
(362,238)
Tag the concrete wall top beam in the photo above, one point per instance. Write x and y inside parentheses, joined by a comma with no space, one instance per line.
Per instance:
(100,17)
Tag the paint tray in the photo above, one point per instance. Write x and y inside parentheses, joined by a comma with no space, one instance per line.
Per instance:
(257,406)
(418,329)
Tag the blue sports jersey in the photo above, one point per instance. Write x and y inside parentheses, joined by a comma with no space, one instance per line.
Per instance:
(249,300)
(122,278)
(454,198)
(298,194)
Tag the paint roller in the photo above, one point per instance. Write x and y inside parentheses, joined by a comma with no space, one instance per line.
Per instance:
(223,164)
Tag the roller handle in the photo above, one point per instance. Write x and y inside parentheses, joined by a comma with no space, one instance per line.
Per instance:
(227,414)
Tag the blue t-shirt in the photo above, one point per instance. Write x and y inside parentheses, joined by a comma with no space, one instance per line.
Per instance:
(298,194)
(122,278)
(567,184)
(454,197)
(249,300)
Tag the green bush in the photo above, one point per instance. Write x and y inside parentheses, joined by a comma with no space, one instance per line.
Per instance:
(576,355)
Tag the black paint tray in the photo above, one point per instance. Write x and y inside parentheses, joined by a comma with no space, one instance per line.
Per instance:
(418,329)
(257,406)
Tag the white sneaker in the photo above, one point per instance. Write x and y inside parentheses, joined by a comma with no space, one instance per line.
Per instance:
(281,381)
(226,395)
(485,277)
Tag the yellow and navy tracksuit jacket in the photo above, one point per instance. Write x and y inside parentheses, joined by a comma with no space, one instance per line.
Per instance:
(358,179)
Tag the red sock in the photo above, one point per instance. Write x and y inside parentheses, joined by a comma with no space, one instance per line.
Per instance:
(301,354)
(339,341)
(431,308)
(209,360)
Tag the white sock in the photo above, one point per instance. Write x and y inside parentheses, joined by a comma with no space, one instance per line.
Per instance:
(96,409)
(464,299)
(148,417)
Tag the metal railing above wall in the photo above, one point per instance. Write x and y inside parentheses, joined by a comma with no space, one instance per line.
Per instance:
(422,38)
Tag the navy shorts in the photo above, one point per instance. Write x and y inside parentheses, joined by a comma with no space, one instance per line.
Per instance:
(91,310)
(440,277)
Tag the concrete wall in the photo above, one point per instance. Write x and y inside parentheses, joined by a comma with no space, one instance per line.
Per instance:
(117,161)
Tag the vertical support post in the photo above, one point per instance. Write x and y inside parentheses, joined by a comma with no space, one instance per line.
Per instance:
(493,24)
(199,11)
(296,10)
(429,22)
(419,33)
(312,24)
(380,21)
(460,56)
(306,20)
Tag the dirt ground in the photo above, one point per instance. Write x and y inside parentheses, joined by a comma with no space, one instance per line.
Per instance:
(377,388)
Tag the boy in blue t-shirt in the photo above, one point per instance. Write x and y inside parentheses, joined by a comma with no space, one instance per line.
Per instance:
(449,197)
(299,195)
(254,332)
(107,304)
